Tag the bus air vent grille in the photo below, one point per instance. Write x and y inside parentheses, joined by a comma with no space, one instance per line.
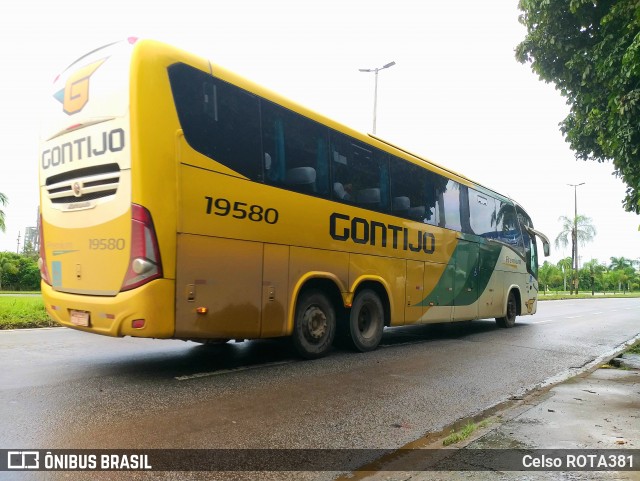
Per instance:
(85,184)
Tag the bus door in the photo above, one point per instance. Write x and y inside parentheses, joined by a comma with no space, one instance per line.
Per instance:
(491,282)
(466,281)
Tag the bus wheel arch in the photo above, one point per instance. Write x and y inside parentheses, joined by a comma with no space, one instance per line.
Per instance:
(513,309)
(318,305)
(370,312)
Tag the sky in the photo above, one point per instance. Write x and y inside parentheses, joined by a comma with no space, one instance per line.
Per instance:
(456,94)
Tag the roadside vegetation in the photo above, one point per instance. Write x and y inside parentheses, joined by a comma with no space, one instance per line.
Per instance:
(617,277)
(19,272)
(462,434)
(23,312)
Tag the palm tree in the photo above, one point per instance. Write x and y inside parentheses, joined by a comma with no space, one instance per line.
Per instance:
(620,263)
(625,266)
(596,271)
(581,231)
(3,202)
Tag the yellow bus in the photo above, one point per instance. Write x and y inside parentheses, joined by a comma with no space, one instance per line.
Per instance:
(180,200)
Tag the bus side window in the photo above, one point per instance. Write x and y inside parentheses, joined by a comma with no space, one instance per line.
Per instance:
(218,119)
(481,214)
(450,198)
(360,173)
(296,153)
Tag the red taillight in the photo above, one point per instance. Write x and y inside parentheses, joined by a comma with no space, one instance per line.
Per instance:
(144,258)
(138,323)
(42,261)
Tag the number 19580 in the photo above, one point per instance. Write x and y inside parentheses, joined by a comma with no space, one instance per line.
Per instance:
(241,210)
(107,244)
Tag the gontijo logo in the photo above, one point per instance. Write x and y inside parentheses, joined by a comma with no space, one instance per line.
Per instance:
(75,94)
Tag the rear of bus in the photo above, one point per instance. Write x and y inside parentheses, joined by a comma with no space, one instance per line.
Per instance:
(101,257)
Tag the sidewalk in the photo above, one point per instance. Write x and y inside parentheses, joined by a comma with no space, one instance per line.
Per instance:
(599,409)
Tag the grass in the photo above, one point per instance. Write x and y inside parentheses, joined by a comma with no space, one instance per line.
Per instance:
(464,433)
(555,296)
(23,312)
(634,349)
(19,292)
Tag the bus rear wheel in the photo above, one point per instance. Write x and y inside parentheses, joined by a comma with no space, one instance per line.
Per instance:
(512,311)
(366,321)
(315,325)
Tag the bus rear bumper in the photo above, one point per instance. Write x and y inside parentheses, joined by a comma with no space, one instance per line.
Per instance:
(114,316)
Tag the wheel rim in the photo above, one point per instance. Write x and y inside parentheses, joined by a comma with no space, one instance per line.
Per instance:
(315,324)
(367,321)
(511,309)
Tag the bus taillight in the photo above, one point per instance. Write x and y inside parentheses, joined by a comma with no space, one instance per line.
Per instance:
(42,260)
(144,260)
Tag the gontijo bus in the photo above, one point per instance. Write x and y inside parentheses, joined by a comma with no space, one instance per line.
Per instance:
(180,200)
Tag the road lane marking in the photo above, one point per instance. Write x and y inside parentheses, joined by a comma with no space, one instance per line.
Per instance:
(572,317)
(542,322)
(229,371)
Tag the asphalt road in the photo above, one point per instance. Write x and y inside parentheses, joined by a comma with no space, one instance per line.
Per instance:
(66,389)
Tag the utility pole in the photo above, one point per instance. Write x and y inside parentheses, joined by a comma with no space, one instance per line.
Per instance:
(375,90)
(18,247)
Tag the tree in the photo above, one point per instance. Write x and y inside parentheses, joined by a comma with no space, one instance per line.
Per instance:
(612,279)
(591,51)
(3,203)
(593,272)
(29,251)
(549,274)
(620,263)
(565,265)
(579,228)
(627,272)
(18,272)
(8,266)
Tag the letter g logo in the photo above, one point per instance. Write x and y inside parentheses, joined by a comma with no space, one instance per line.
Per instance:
(76,91)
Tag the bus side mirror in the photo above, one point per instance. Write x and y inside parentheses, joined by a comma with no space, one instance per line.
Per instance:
(542,237)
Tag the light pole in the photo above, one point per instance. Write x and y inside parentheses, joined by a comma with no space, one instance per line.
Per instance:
(375,91)
(575,234)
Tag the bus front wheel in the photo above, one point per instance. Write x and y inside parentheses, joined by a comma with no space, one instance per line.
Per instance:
(512,311)
(315,325)
(366,321)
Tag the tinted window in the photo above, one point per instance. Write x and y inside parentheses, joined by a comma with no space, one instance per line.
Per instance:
(360,173)
(295,150)
(218,119)
(413,191)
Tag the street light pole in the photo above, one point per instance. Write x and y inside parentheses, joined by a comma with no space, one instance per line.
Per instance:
(375,90)
(575,233)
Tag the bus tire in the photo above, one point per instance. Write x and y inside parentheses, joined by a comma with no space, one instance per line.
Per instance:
(512,311)
(366,321)
(315,325)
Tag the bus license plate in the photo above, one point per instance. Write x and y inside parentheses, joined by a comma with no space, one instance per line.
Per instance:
(80,318)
